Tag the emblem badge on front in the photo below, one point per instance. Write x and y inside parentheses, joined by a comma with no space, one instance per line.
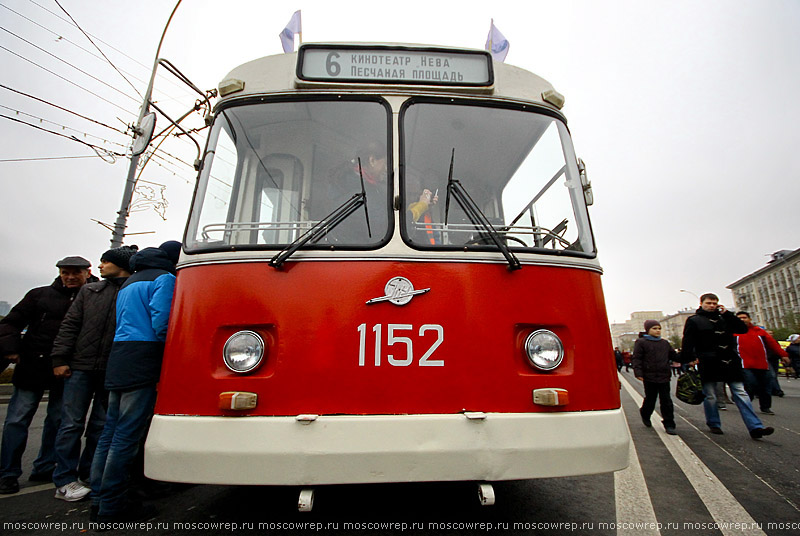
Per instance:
(399,291)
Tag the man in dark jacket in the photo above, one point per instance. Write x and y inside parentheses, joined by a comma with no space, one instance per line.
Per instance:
(652,364)
(80,353)
(40,312)
(708,338)
(134,366)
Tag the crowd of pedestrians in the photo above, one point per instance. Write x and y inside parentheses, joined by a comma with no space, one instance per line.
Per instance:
(729,351)
(96,347)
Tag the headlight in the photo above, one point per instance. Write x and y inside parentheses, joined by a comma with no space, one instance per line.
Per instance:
(243,351)
(544,349)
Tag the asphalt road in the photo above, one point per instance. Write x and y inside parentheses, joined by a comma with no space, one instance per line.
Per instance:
(693,483)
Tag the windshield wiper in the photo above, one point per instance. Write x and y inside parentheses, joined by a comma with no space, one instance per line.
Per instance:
(327,224)
(476,215)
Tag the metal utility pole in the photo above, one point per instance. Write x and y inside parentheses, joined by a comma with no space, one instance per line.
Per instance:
(118,233)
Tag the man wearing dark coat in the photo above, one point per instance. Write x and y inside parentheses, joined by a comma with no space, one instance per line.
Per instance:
(652,364)
(134,366)
(708,339)
(38,316)
(80,353)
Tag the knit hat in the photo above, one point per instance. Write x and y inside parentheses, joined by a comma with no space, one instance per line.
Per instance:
(73,262)
(173,250)
(793,337)
(650,323)
(120,256)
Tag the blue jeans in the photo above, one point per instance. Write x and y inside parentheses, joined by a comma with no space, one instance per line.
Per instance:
(79,390)
(126,423)
(758,383)
(21,409)
(739,397)
(775,387)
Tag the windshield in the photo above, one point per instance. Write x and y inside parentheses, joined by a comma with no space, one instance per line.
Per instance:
(273,170)
(516,165)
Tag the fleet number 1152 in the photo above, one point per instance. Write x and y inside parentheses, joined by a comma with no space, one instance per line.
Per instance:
(394,336)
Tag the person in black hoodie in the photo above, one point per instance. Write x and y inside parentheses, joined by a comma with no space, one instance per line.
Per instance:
(40,313)
(652,364)
(80,353)
(708,339)
(134,366)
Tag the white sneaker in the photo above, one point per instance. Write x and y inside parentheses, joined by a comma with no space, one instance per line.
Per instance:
(74,491)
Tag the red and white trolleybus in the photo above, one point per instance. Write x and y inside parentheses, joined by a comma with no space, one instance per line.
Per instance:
(388,275)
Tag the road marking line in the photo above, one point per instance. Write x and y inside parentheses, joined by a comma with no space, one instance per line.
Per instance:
(32,489)
(634,505)
(734,458)
(720,503)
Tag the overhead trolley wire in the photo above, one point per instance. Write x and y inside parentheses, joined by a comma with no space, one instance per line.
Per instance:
(67,80)
(97,47)
(76,45)
(62,108)
(134,99)
(112,47)
(97,149)
(45,158)
(41,119)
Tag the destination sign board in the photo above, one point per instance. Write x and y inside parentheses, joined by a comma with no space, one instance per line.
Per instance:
(394,65)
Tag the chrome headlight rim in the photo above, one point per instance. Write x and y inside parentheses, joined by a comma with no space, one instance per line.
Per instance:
(547,367)
(226,349)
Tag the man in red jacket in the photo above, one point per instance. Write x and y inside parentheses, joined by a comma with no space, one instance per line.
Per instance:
(754,347)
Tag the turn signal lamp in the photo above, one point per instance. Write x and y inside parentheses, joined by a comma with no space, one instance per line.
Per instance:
(550,397)
(237,400)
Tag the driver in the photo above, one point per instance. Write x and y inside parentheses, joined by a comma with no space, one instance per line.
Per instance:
(345,181)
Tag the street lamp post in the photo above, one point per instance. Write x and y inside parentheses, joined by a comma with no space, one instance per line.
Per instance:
(118,233)
(692,293)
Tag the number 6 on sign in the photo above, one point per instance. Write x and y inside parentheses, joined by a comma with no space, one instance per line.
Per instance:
(393,337)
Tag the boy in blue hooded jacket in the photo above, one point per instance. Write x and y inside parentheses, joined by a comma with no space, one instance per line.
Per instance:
(134,366)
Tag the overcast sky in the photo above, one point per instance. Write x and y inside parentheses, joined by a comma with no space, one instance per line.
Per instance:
(686,113)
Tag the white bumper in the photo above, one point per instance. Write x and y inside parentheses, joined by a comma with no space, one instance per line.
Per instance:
(346,449)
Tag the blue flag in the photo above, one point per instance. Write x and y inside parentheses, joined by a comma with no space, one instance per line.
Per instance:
(497,44)
(295,26)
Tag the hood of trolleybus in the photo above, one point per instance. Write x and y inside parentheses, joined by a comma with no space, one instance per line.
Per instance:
(456,347)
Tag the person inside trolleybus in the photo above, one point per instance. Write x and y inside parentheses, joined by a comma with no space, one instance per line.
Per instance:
(366,173)
(422,207)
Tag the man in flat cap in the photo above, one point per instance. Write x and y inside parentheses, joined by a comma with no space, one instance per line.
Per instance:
(40,312)
(80,353)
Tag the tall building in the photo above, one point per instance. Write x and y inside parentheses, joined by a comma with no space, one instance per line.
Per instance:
(672,325)
(624,334)
(771,293)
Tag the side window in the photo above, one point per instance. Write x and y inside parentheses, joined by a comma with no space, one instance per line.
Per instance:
(216,214)
(280,182)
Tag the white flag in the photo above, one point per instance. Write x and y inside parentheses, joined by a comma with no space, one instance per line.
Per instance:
(295,26)
(497,44)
